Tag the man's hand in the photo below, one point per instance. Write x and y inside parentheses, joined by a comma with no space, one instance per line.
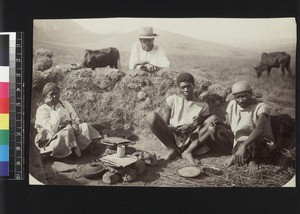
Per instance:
(140,63)
(185,129)
(173,128)
(65,123)
(76,129)
(196,120)
(149,67)
(50,103)
(239,155)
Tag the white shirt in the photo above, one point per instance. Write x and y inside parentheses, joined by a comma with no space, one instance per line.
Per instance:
(183,111)
(156,56)
(244,120)
(50,119)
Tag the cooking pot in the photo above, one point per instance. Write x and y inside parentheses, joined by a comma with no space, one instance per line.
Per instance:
(92,170)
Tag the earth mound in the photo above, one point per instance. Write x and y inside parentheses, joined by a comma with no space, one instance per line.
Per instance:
(118,100)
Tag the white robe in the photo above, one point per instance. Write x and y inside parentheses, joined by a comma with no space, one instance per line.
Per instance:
(61,141)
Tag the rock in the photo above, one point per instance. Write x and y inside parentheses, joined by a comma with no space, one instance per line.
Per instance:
(140,167)
(74,66)
(148,101)
(203,83)
(229,97)
(218,90)
(42,59)
(129,175)
(90,95)
(116,171)
(110,178)
(142,95)
(214,95)
(257,95)
(150,158)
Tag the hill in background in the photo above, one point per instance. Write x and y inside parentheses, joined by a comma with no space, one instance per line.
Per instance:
(67,32)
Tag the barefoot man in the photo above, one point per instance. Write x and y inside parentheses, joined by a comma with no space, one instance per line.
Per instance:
(181,128)
(251,125)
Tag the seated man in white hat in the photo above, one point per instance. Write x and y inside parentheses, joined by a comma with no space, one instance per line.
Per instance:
(145,55)
(250,123)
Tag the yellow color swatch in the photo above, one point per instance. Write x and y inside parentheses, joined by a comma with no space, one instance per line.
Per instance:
(4,121)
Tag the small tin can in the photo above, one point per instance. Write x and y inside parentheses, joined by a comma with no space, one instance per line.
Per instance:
(121,151)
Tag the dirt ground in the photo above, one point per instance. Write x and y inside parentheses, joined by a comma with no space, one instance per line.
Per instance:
(63,171)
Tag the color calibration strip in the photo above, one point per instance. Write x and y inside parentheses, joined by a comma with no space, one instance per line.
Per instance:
(11,106)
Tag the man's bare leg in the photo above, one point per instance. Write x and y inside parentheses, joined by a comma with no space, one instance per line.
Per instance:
(187,154)
(203,135)
(161,130)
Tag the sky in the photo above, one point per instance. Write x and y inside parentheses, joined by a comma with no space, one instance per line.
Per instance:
(235,32)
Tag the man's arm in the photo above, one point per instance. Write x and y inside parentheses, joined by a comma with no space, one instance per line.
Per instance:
(158,62)
(49,121)
(167,115)
(162,60)
(255,135)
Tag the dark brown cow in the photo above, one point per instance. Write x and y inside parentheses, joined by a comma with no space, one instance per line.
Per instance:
(102,58)
(274,60)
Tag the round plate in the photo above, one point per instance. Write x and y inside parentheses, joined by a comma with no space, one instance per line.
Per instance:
(90,170)
(189,171)
(211,170)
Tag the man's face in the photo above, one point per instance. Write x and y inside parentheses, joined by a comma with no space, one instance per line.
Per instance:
(243,99)
(147,44)
(52,97)
(187,89)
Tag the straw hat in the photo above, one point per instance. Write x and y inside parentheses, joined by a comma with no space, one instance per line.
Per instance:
(147,33)
(241,86)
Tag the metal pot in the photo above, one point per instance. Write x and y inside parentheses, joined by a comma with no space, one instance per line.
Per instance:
(92,170)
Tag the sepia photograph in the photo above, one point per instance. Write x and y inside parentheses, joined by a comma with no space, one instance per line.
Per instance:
(163,102)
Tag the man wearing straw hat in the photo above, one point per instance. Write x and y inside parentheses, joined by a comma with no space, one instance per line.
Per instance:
(251,125)
(145,55)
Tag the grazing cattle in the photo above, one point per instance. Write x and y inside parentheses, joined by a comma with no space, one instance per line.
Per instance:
(274,60)
(102,58)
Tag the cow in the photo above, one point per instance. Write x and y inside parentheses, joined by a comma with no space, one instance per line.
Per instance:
(102,58)
(274,60)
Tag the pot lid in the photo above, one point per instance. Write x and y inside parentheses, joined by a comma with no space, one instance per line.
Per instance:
(91,168)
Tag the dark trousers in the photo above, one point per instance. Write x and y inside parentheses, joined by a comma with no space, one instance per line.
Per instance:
(254,151)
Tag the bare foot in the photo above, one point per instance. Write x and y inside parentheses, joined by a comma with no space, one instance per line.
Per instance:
(189,157)
(253,166)
(229,161)
(169,155)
